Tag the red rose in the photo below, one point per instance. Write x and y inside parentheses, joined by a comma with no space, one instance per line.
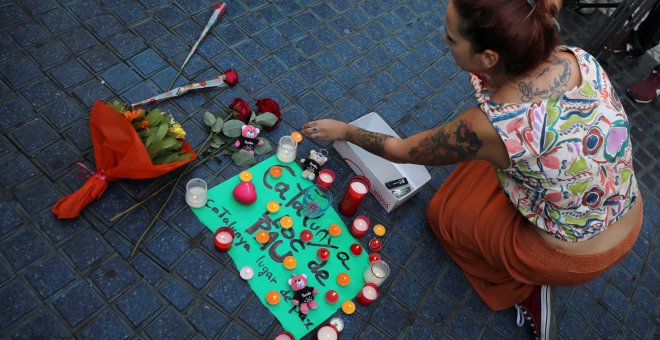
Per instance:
(242,109)
(231,78)
(269,105)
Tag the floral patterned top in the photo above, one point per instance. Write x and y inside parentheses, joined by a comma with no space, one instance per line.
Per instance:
(571,170)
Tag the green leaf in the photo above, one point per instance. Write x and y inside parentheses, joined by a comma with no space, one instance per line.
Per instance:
(217,127)
(159,111)
(266,119)
(175,157)
(253,116)
(217,140)
(170,134)
(151,136)
(232,128)
(118,106)
(155,146)
(243,158)
(161,131)
(264,148)
(154,117)
(209,119)
(171,143)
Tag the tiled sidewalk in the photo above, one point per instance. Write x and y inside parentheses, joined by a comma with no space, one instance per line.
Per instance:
(338,58)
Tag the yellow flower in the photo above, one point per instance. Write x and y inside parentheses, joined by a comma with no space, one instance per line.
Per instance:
(130,115)
(178,130)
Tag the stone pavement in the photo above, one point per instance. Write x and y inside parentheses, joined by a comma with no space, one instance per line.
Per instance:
(336,58)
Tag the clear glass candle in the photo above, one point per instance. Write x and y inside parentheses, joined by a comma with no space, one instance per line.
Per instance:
(377,272)
(286,149)
(196,195)
(316,200)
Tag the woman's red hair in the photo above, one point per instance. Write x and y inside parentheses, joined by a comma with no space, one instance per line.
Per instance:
(523,35)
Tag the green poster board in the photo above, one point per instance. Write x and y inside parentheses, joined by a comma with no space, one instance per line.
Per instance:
(266,259)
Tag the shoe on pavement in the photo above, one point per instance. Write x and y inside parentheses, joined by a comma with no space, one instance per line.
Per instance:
(647,89)
(536,311)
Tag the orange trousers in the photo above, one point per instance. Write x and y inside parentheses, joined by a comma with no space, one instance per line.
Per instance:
(498,250)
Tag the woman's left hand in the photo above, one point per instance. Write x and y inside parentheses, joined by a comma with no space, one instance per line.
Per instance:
(326,129)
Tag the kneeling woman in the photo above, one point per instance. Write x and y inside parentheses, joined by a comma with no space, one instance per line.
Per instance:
(545,193)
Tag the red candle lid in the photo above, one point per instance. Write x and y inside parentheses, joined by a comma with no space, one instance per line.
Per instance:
(375,245)
(323,254)
(332,296)
(373,257)
(306,236)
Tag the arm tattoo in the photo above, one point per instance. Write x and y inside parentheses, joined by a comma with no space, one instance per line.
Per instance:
(448,144)
(371,141)
(558,85)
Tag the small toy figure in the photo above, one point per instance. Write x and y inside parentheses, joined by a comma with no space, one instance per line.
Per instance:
(312,165)
(248,139)
(303,295)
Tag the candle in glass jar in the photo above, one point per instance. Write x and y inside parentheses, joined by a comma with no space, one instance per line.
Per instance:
(327,332)
(196,195)
(286,149)
(224,237)
(326,177)
(367,295)
(377,272)
(284,335)
(360,226)
(357,190)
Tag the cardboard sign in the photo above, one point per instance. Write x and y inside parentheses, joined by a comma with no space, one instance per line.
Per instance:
(266,259)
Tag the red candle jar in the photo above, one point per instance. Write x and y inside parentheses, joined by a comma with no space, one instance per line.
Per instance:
(327,332)
(367,295)
(224,238)
(360,226)
(375,245)
(358,188)
(284,335)
(326,177)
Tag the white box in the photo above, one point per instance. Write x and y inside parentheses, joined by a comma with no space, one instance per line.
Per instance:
(379,170)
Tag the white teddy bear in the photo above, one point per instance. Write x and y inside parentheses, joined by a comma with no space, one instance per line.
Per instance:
(312,165)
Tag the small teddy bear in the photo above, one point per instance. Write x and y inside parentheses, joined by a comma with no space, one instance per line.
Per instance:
(303,294)
(312,165)
(248,139)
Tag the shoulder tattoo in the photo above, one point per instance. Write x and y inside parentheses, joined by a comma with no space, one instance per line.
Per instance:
(562,68)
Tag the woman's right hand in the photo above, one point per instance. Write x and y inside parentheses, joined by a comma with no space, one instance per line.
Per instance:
(326,129)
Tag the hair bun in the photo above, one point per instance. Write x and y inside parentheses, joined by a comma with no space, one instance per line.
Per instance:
(547,8)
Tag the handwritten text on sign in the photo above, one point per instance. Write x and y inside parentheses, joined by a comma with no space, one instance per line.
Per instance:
(267,259)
